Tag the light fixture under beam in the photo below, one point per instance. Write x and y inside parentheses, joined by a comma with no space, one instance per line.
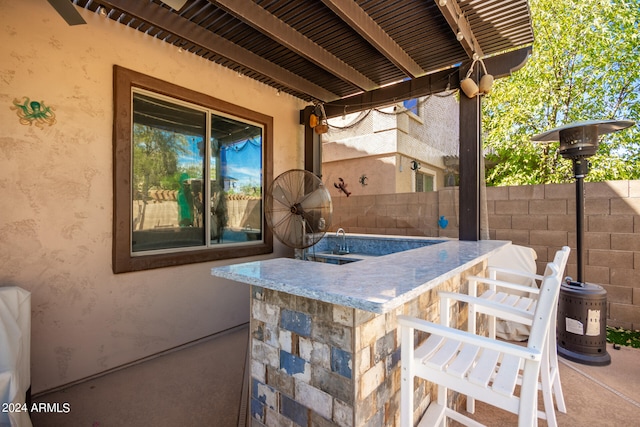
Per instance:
(460,27)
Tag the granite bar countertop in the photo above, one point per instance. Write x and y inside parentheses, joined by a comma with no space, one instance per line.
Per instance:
(377,284)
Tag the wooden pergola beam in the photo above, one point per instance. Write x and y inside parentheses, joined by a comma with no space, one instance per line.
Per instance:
(459,24)
(284,34)
(161,17)
(351,13)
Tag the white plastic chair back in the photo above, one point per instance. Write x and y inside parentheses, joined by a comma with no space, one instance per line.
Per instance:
(519,258)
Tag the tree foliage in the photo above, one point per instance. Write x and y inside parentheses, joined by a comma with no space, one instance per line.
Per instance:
(155,158)
(584,66)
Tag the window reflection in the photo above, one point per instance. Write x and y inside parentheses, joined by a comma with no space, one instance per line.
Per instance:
(169,183)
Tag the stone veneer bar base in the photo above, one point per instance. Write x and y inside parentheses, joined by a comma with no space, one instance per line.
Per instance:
(315,363)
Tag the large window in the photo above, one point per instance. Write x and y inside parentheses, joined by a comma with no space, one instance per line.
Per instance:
(189,176)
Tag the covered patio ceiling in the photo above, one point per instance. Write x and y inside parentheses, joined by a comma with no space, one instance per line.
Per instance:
(330,51)
(348,55)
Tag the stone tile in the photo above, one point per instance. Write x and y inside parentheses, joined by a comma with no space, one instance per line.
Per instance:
(343,315)
(285,340)
(267,313)
(257,292)
(370,380)
(275,419)
(341,362)
(265,352)
(295,321)
(334,384)
(258,371)
(271,334)
(384,346)
(268,396)
(280,381)
(315,352)
(294,411)
(368,332)
(318,421)
(363,360)
(314,399)
(295,366)
(342,413)
(257,410)
(332,334)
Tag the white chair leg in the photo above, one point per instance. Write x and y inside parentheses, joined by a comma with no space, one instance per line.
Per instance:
(528,411)
(406,378)
(555,377)
(547,392)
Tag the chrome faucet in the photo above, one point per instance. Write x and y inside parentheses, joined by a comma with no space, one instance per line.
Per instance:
(342,249)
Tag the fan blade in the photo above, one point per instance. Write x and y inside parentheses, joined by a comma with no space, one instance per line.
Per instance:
(290,231)
(282,196)
(317,199)
(68,11)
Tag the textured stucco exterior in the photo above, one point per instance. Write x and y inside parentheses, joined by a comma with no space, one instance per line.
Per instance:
(56,186)
(381,145)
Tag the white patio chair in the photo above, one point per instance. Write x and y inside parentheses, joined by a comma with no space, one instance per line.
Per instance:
(479,367)
(500,266)
(523,299)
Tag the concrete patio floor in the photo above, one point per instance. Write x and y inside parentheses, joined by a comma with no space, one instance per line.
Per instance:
(201,385)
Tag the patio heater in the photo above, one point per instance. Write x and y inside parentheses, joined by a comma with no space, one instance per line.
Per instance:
(582,307)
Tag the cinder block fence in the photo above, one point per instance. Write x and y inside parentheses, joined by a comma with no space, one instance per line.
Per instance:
(539,216)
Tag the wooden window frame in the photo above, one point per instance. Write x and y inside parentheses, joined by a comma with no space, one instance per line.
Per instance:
(122,260)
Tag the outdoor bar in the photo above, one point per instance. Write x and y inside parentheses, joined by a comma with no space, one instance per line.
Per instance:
(328,333)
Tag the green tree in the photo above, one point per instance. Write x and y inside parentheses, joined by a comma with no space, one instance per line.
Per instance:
(155,158)
(584,66)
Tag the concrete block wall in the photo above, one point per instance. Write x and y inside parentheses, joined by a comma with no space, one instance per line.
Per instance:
(403,214)
(542,217)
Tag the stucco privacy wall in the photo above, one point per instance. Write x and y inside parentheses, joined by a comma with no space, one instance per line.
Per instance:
(56,186)
(539,216)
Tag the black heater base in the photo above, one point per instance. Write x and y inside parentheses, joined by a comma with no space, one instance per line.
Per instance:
(581,329)
(602,359)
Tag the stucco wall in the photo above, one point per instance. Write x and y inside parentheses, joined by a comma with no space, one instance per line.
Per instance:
(56,184)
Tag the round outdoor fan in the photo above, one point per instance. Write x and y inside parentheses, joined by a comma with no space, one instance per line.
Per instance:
(298,208)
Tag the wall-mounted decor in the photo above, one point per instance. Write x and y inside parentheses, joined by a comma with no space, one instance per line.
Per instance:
(33,112)
(342,187)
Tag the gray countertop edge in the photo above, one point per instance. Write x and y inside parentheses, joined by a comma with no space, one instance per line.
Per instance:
(324,290)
